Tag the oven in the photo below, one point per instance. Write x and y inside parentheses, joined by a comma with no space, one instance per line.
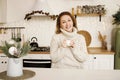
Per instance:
(37,63)
(38,60)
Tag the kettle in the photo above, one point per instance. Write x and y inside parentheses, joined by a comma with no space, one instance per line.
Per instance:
(34,44)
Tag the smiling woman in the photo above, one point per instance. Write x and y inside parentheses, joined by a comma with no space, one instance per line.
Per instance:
(68,49)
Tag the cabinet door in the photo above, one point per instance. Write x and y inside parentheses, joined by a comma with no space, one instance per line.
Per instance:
(3,8)
(103,61)
(3,62)
(99,62)
(89,63)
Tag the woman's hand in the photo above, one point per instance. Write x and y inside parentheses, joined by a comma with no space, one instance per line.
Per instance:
(68,43)
(72,44)
(64,43)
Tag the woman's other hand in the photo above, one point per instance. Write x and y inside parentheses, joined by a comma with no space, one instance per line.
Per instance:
(68,43)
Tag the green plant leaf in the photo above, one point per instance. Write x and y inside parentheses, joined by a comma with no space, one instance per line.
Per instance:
(22,51)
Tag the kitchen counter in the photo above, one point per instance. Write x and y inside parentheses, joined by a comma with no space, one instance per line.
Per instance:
(39,52)
(73,74)
(98,50)
(34,52)
(91,50)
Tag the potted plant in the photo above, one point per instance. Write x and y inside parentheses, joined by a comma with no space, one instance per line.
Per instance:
(116,17)
(116,39)
(116,22)
(14,51)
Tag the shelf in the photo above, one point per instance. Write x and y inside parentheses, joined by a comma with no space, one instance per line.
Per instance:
(88,14)
(99,50)
(12,27)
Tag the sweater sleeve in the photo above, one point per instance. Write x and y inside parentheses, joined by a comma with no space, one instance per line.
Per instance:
(80,50)
(56,52)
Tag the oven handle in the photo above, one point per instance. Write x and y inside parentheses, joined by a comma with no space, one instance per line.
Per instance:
(37,62)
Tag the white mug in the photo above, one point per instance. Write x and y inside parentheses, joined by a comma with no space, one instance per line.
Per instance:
(68,42)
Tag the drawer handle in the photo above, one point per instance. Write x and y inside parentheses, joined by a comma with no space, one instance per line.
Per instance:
(3,56)
(36,62)
(94,57)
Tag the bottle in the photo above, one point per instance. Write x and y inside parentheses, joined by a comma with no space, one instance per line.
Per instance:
(73,11)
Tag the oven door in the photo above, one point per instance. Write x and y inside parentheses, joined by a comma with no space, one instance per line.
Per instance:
(39,63)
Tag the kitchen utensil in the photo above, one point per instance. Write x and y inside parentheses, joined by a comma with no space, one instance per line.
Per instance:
(18,39)
(19,31)
(34,44)
(0,30)
(5,30)
(12,34)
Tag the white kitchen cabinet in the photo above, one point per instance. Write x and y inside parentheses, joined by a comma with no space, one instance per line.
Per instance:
(37,56)
(95,61)
(4,59)
(3,11)
(100,62)
(3,62)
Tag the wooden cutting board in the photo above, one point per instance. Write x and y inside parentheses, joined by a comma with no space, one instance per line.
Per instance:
(87,36)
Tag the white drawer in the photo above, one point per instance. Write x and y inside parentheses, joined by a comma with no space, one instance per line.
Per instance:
(3,62)
(37,56)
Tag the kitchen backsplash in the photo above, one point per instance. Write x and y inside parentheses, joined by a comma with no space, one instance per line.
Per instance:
(33,28)
(44,28)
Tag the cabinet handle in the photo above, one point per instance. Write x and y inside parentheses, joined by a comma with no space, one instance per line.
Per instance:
(2,56)
(94,57)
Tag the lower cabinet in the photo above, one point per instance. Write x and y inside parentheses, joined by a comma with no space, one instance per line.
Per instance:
(3,62)
(43,60)
(95,61)
(100,62)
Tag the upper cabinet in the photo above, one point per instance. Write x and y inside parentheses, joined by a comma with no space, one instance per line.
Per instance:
(3,11)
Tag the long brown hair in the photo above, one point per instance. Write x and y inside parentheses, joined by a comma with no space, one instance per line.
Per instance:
(59,18)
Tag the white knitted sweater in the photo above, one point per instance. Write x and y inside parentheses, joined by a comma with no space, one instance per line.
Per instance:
(68,57)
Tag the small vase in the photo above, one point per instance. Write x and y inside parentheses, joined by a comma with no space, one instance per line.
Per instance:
(15,67)
(104,45)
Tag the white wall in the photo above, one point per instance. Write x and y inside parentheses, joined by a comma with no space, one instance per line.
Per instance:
(43,28)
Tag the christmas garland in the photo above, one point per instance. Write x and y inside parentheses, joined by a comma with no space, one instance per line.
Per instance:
(29,15)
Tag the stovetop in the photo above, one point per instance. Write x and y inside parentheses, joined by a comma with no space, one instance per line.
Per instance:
(42,49)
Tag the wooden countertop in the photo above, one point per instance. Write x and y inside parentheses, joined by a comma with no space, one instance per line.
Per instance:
(38,52)
(33,52)
(91,50)
(98,50)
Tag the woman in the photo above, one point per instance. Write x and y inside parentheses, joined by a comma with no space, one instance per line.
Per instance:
(67,48)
